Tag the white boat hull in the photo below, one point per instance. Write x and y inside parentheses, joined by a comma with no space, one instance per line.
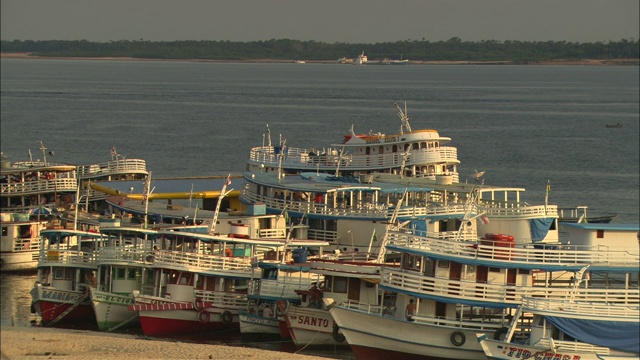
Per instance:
(310,326)
(256,324)
(20,261)
(113,309)
(499,350)
(375,337)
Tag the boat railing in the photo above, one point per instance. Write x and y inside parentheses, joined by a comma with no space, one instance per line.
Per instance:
(53,257)
(227,300)
(280,289)
(39,186)
(323,235)
(572,346)
(273,233)
(302,158)
(582,308)
(126,255)
(513,295)
(357,210)
(364,266)
(118,166)
(536,254)
(384,310)
(29,243)
(202,262)
(507,209)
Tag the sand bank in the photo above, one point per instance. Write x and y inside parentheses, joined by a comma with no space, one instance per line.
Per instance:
(21,343)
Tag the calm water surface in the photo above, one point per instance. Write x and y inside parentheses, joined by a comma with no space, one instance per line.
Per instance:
(523,125)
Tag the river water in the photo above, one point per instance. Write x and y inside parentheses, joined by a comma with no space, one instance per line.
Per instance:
(523,125)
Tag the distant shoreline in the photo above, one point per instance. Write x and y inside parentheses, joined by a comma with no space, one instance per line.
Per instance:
(599,62)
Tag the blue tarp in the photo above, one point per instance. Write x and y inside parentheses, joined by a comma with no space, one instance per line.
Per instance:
(613,334)
(540,228)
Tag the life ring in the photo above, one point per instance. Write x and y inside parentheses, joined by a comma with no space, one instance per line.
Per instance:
(281,307)
(337,336)
(499,334)
(228,252)
(458,338)
(204,316)
(227,317)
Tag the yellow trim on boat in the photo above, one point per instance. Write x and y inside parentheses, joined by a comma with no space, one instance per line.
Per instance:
(212,194)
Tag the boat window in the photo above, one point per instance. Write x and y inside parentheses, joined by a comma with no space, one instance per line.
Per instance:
(416,146)
(4,231)
(68,274)
(120,273)
(600,234)
(340,285)
(58,274)
(328,283)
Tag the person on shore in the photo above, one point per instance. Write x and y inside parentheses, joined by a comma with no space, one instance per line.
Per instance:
(410,311)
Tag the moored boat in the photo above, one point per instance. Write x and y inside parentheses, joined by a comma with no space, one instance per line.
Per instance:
(27,186)
(122,267)
(463,287)
(412,153)
(568,330)
(66,270)
(20,242)
(277,278)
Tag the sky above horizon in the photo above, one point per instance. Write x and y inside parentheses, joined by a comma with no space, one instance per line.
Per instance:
(331,21)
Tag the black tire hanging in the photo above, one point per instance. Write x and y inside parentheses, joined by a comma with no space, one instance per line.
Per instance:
(458,338)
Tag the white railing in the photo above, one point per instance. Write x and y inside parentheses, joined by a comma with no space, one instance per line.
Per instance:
(542,254)
(509,209)
(133,256)
(358,210)
(202,262)
(81,258)
(21,244)
(39,187)
(299,158)
(494,293)
(427,320)
(120,166)
(228,300)
(273,233)
(279,289)
(600,310)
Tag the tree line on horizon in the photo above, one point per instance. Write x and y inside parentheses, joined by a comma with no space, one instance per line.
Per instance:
(453,49)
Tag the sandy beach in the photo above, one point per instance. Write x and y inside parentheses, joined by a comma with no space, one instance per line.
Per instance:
(22,343)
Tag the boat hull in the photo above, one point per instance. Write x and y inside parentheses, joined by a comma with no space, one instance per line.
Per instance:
(498,350)
(253,324)
(375,337)
(311,327)
(50,304)
(182,322)
(112,310)
(23,261)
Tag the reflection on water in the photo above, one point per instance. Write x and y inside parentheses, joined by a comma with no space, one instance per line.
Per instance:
(16,311)
(16,300)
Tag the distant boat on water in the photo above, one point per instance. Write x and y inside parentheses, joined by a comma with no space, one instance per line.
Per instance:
(616,125)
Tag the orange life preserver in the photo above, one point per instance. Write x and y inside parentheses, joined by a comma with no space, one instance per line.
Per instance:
(204,316)
(228,252)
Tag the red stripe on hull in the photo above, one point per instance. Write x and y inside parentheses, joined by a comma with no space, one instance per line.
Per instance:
(284,330)
(152,326)
(50,311)
(369,353)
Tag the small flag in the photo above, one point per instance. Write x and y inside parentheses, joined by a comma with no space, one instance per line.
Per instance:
(548,188)
(485,219)
(228,181)
(113,151)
